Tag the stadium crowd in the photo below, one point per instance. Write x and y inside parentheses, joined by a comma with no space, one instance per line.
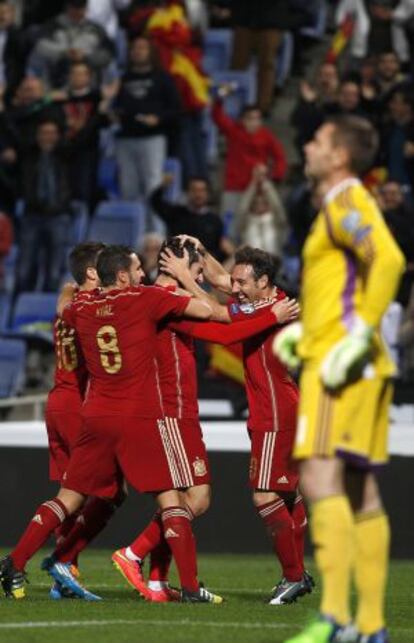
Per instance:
(98,97)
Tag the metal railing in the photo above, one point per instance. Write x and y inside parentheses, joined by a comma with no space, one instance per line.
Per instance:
(37,401)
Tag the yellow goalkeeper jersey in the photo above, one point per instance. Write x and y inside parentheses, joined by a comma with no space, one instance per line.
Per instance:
(351,268)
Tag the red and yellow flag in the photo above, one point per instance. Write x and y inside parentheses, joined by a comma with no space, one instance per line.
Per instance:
(341,38)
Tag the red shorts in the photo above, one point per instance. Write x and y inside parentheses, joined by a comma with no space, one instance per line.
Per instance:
(63,428)
(271,464)
(153,455)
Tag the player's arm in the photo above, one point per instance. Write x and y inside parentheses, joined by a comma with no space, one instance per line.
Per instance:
(197,309)
(65,296)
(238,331)
(178,268)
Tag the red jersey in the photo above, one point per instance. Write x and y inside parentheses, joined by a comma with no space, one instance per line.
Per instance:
(117,332)
(176,370)
(71,375)
(271,393)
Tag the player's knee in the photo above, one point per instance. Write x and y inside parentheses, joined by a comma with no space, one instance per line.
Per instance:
(198,499)
(263,497)
(71,499)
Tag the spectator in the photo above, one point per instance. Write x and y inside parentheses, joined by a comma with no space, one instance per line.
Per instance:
(31,105)
(303,204)
(46,219)
(349,100)
(6,241)
(397,134)
(259,27)
(84,113)
(249,144)
(308,114)
(261,215)
(147,107)
(69,38)
(388,73)
(8,161)
(105,14)
(12,50)
(195,218)
(149,251)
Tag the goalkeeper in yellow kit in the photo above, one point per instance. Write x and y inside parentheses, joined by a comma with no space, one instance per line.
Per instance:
(351,270)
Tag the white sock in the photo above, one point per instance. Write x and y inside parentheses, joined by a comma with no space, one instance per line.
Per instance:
(131,556)
(157,585)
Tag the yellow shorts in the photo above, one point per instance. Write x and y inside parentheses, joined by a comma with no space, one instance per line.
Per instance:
(351,423)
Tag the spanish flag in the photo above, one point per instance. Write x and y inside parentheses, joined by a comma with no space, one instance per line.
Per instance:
(171,33)
(228,361)
(341,39)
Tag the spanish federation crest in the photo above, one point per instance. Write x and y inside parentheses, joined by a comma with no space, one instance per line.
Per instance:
(199,467)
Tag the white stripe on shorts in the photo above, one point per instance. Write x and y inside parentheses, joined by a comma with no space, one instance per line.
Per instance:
(266,460)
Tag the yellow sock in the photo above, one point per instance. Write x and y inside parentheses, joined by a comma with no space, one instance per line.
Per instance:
(372,532)
(332,534)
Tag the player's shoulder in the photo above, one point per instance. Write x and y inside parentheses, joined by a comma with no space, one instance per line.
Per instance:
(351,198)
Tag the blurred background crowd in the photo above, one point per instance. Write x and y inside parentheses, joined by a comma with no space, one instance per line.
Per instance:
(129,120)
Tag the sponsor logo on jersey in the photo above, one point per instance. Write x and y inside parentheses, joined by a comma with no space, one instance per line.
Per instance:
(170,533)
(199,467)
(282,480)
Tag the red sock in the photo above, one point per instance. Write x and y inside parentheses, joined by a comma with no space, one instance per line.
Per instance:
(47,517)
(160,561)
(300,522)
(179,536)
(280,526)
(151,537)
(64,529)
(90,522)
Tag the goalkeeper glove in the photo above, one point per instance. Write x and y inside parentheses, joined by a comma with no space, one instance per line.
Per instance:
(285,342)
(346,354)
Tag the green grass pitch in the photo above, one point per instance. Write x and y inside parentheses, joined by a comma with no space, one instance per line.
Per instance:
(245,582)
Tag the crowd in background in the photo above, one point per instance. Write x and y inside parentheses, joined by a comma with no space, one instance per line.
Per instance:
(79,77)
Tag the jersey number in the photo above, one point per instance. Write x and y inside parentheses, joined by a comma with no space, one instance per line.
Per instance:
(66,349)
(111,358)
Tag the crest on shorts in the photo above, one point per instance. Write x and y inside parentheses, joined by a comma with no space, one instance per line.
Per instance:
(253,468)
(199,467)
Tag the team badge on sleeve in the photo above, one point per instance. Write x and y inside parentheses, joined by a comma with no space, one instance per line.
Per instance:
(247,309)
(351,223)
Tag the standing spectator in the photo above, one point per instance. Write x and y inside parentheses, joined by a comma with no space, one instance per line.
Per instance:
(397,144)
(46,218)
(249,144)
(149,251)
(388,73)
(32,105)
(6,240)
(195,218)
(105,14)
(69,38)
(147,106)
(84,116)
(12,50)
(259,27)
(261,215)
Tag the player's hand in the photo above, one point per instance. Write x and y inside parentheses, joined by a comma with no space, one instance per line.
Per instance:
(285,343)
(177,267)
(286,310)
(347,354)
(197,243)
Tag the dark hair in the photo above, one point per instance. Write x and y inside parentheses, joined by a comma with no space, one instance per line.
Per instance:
(359,137)
(84,256)
(250,107)
(177,247)
(262,263)
(111,260)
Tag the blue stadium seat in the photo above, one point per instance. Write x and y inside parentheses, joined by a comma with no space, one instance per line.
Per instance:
(5,304)
(218,44)
(33,315)
(284,59)
(118,222)
(10,269)
(12,367)
(173,166)
(245,89)
(108,176)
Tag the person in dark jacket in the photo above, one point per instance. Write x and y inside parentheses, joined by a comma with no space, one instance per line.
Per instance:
(147,107)
(46,218)
(195,217)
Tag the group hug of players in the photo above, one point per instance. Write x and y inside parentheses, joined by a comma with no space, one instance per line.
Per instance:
(124,407)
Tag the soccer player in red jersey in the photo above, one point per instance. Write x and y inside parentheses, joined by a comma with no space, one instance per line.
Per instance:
(178,385)
(273,399)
